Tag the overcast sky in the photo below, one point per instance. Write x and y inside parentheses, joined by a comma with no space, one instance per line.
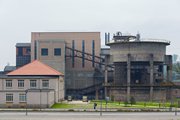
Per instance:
(152,18)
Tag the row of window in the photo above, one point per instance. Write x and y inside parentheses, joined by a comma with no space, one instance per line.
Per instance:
(22,97)
(57,51)
(33,83)
(22,51)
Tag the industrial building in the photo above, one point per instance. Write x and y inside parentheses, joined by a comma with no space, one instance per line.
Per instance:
(141,68)
(23,54)
(129,67)
(75,54)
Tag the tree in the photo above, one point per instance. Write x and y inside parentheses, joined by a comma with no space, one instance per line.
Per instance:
(126,103)
(132,100)
(176,67)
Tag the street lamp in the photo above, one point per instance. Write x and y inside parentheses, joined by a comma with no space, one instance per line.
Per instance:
(177,104)
(40,99)
(101,102)
(26,91)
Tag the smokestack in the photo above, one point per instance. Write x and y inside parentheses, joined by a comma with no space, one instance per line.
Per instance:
(105,38)
(108,37)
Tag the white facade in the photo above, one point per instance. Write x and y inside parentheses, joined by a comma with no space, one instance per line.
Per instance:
(13,94)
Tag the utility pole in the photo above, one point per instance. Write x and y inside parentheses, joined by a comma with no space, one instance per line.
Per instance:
(26,101)
(101,103)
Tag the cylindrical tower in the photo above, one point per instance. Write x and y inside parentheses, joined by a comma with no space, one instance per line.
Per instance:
(138,62)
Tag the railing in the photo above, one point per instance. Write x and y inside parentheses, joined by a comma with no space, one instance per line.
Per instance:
(155,40)
(138,85)
(141,40)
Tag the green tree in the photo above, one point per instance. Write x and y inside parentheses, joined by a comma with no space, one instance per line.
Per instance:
(176,67)
(126,102)
(132,101)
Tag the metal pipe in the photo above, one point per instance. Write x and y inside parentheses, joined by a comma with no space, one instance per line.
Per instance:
(93,53)
(58,88)
(105,38)
(108,37)
(83,51)
(73,47)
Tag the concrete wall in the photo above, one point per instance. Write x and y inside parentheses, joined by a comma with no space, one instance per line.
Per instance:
(139,95)
(77,76)
(138,64)
(68,37)
(139,51)
(85,79)
(53,83)
(56,62)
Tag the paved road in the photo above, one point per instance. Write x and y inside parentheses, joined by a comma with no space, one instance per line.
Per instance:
(88,116)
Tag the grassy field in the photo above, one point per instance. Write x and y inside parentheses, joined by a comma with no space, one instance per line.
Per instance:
(112,105)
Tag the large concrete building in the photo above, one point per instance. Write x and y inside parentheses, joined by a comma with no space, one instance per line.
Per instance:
(73,53)
(139,67)
(131,67)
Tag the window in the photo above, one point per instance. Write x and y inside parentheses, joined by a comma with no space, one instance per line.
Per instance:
(8,83)
(57,51)
(9,97)
(20,83)
(20,51)
(44,52)
(45,83)
(28,51)
(32,83)
(22,97)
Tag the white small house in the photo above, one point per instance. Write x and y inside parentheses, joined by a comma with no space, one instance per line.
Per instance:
(35,85)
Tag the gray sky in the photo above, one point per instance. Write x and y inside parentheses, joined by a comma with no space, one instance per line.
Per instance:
(152,18)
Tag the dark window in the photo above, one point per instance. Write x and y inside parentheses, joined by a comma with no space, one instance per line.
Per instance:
(45,83)
(44,51)
(20,83)
(57,51)
(8,83)
(28,50)
(20,51)
(9,97)
(33,84)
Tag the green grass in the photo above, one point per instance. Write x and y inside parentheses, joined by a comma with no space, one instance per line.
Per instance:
(112,104)
(67,106)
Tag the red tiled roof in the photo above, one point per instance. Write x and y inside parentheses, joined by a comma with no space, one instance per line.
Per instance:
(35,68)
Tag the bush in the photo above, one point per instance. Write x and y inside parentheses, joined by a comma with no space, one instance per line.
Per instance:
(172,105)
(145,104)
(126,103)
(71,110)
(132,101)
(112,98)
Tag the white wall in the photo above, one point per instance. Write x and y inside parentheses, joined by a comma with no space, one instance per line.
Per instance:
(56,85)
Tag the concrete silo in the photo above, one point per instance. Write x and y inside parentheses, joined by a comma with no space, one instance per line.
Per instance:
(141,67)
